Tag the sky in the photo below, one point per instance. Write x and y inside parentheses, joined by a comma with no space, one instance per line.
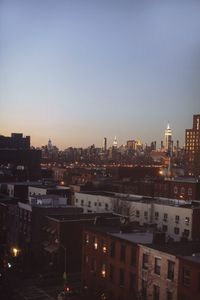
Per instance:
(77,71)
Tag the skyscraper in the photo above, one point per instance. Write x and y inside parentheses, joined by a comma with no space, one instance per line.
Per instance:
(105,144)
(168,139)
(115,142)
(192,147)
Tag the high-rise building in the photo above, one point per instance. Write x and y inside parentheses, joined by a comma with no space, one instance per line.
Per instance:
(115,142)
(105,144)
(168,139)
(192,147)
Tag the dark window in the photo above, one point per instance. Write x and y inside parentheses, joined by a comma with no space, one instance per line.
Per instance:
(145,261)
(133,256)
(176,230)
(169,295)
(156,292)
(165,217)
(170,273)
(186,277)
(144,290)
(186,233)
(177,219)
(111,273)
(112,249)
(121,277)
(93,265)
(132,283)
(164,228)
(157,266)
(123,253)
(137,213)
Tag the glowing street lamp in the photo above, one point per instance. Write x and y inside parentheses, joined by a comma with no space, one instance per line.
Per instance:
(15,252)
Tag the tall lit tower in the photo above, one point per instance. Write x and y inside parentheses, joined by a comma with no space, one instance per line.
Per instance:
(168,139)
(115,142)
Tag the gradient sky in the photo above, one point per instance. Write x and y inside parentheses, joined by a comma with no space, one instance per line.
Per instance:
(76,71)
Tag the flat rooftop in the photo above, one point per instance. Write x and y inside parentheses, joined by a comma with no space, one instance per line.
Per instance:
(178,248)
(145,199)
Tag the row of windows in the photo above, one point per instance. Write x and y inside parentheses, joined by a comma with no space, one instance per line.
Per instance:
(182,191)
(95,204)
(157,266)
(156,292)
(113,274)
(177,218)
(102,245)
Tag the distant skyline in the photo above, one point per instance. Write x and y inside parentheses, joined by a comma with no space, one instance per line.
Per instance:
(78,71)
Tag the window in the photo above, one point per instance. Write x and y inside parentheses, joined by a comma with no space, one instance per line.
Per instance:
(103,270)
(133,256)
(123,253)
(106,206)
(190,192)
(82,202)
(186,277)
(111,273)
(182,190)
(157,266)
(132,283)
(176,230)
(170,273)
(89,203)
(86,238)
(144,289)
(104,248)
(145,260)
(175,190)
(177,219)
(99,203)
(76,200)
(112,249)
(156,292)
(164,228)
(156,215)
(146,214)
(186,233)
(187,221)
(165,217)
(95,243)
(93,265)
(121,277)
(95,204)
(169,295)
(137,213)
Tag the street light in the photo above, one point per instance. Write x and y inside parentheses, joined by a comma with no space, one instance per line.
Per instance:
(15,252)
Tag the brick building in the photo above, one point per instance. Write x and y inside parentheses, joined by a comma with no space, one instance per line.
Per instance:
(110,261)
(192,147)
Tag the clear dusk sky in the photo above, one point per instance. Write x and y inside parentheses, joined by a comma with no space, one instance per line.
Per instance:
(76,71)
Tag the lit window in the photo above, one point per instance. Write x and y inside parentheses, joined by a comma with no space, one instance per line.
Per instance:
(86,238)
(187,221)
(103,270)
(104,248)
(95,243)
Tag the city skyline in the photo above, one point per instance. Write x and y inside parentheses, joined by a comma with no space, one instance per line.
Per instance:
(78,72)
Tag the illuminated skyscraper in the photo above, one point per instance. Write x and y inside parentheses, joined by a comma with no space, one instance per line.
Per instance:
(192,147)
(168,139)
(115,142)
